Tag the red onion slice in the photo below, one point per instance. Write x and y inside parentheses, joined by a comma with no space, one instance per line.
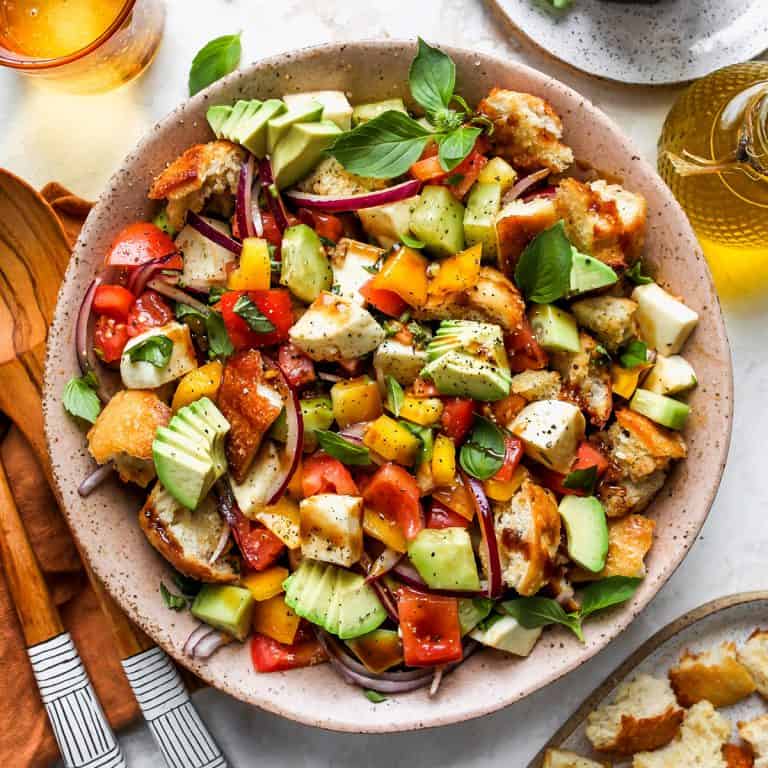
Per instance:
(176,294)
(143,274)
(243,204)
(258,222)
(387,599)
(211,643)
(267,181)
(523,184)
(95,479)
(355,202)
(197,634)
(485,517)
(437,678)
(384,563)
(199,224)
(332,377)
(221,544)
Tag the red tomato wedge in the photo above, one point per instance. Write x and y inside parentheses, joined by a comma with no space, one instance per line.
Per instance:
(441,517)
(109,338)
(513,452)
(113,301)
(258,545)
(525,354)
(295,365)
(394,493)
(387,302)
(458,415)
(430,628)
(268,655)
(150,310)
(325,224)
(588,456)
(324,474)
(275,305)
(460,179)
(139,243)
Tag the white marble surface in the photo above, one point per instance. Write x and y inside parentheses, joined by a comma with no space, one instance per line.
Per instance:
(80,140)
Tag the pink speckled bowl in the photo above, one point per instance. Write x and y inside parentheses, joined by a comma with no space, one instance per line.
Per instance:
(105,523)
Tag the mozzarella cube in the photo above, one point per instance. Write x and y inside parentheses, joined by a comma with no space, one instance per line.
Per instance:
(331,528)
(336,328)
(551,431)
(506,634)
(253,493)
(336,106)
(402,362)
(387,224)
(670,376)
(351,263)
(665,323)
(144,375)
(205,263)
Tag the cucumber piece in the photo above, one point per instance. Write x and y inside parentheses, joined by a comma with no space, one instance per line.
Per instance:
(660,408)
(587,531)
(225,607)
(483,205)
(445,559)
(317,413)
(554,328)
(438,221)
(305,267)
(362,113)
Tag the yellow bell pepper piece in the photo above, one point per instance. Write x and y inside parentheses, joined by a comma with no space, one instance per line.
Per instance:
(457,273)
(443,461)
(275,619)
(202,382)
(497,490)
(294,486)
(392,440)
(424,411)
(253,273)
(282,519)
(624,381)
(266,584)
(498,171)
(378,527)
(355,400)
(405,273)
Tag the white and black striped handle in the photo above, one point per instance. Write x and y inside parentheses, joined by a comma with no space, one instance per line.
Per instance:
(172,718)
(84,736)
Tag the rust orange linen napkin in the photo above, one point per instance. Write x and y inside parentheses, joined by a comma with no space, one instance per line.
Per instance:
(26,739)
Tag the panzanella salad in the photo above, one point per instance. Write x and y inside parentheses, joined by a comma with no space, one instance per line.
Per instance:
(397,386)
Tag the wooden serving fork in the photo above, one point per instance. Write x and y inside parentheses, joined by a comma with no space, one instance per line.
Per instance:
(33,257)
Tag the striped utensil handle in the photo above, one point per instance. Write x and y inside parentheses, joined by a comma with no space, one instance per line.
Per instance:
(84,736)
(172,718)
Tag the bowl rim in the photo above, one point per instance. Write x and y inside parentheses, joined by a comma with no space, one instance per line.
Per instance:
(622,620)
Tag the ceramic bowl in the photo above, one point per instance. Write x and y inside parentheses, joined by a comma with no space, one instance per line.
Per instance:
(105,523)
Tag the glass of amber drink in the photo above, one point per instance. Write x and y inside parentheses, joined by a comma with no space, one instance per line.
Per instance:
(82,46)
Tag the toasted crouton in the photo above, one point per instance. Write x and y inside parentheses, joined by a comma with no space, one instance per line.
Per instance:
(528,533)
(124,431)
(200,172)
(187,538)
(517,223)
(715,676)
(623,496)
(644,714)
(610,318)
(526,131)
(537,385)
(755,733)
(586,379)
(700,742)
(558,758)
(736,756)
(331,178)
(629,540)
(602,220)
(754,656)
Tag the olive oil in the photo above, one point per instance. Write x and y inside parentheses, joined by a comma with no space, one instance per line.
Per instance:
(713,153)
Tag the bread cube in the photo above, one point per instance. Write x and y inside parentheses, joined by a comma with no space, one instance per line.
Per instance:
(754,656)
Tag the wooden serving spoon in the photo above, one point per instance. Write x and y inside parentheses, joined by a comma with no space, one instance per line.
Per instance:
(33,256)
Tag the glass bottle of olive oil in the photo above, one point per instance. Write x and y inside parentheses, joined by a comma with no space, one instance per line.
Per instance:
(713,153)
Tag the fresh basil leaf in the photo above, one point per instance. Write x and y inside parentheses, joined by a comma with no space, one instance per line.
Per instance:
(582,480)
(382,148)
(561,4)
(447,120)
(482,456)
(184,310)
(80,398)
(155,350)
(395,394)
(456,146)
(635,274)
(188,586)
(327,242)
(543,272)
(343,450)
(374,696)
(257,321)
(534,612)
(219,343)
(432,78)
(216,293)
(427,440)
(411,241)
(635,353)
(421,334)
(174,602)
(161,221)
(606,593)
(217,58)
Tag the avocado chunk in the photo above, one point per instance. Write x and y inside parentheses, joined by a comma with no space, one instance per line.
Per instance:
(483,205)
(378,650)
(438,221)
(189,453)
(253,133)
(473,610)
(444,559)
(554,328)
(317,413)
(389,223)
(300,150)
(663,410)
(278,126)
(362,113)
(589,273)
(225,607)
(336,599)
(217,116)
(336,107)
(305,268)
(506,634)
(482,340)
(241,113)
(587,531)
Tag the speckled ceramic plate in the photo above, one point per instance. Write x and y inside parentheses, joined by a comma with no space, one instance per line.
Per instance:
(732,618)
(670,41)
(105,522)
